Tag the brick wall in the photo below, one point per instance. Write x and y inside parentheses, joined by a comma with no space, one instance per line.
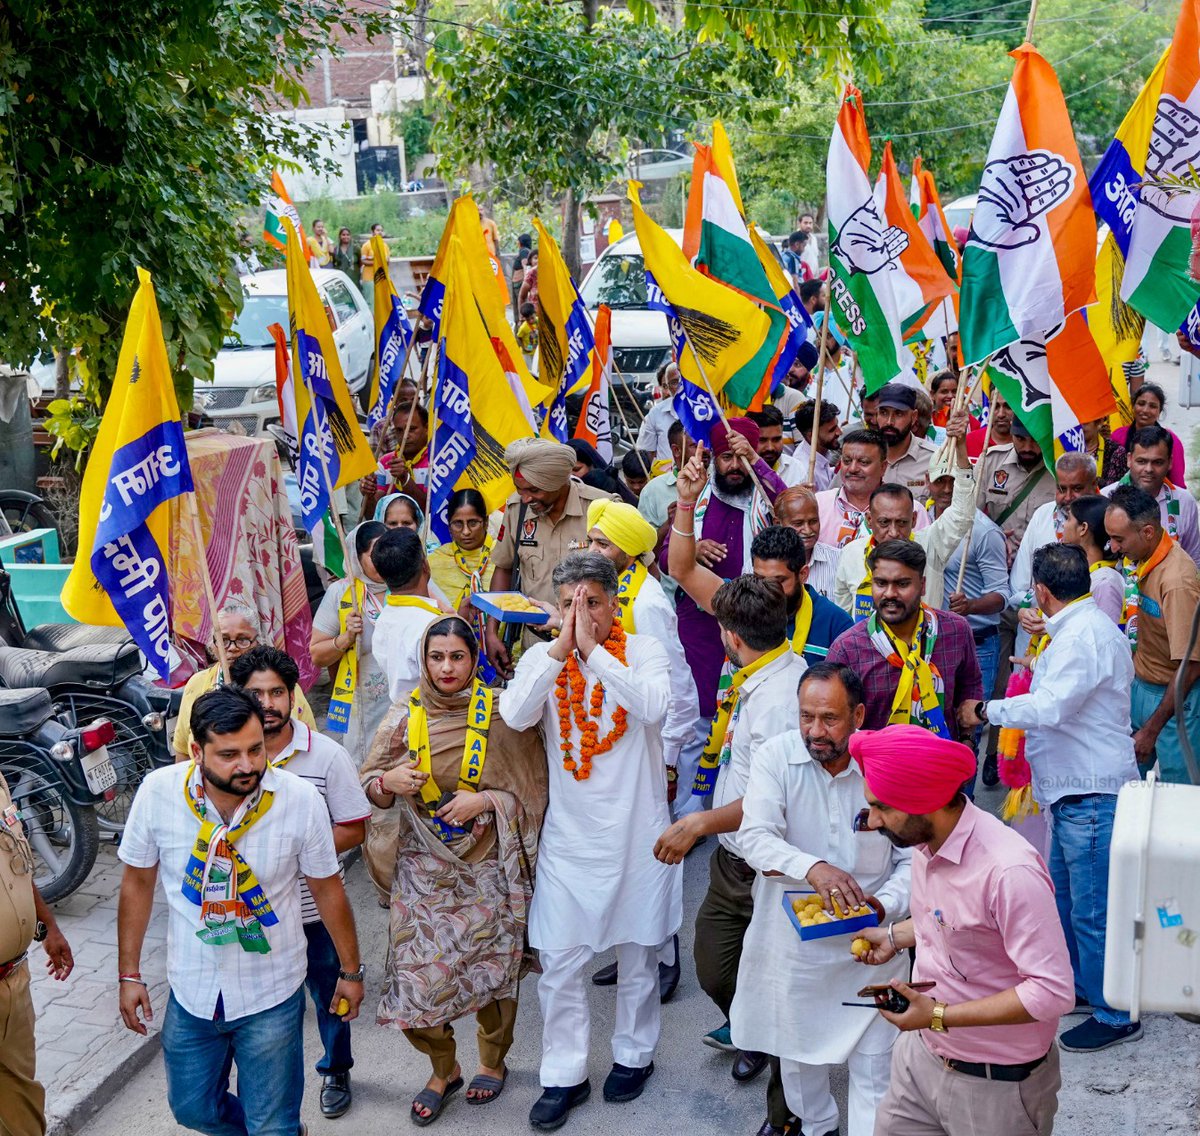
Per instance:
(350,77)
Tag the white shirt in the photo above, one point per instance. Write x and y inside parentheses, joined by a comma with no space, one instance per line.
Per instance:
(767,706)
(1043,528)
(822,568)
(940,540)
(789,992)
(292,840)
(654,615)
(598,882)
(396,644)
(329,769)
(822,470)
(1076,714)
(652,434)
(1178,511)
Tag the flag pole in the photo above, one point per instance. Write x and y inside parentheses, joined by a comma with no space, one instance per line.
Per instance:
(966,547)
(629,391)
(749,468)
(1033,11)
(412,409)
(822,358)
(634,447)
(209,593)
(850,393)
(399,380)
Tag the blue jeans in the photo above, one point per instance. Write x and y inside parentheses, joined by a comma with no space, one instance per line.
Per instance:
(1081,832)
(268,1049)
(988,654)
(323,968)
(1145,699)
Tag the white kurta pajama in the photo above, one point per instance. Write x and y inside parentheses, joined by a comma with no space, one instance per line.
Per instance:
(599,885)
(789,992)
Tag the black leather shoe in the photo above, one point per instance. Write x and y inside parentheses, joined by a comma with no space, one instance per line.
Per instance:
(551,1108)
(769,1129)
(990,774)
(668,976)
(747,1065)
(335,1095)
(626,1084)
(606,975)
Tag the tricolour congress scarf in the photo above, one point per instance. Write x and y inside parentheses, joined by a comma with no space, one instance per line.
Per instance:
(720,736)
(233,906)
(1134,575)
(920,692)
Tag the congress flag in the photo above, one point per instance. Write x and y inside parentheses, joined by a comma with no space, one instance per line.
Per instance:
(393,333)
(279,208)
(724,329)
(1054,381)
(1157,282)
(864,251)
(920,281)
(331,440)
(1029,261)
(475,412)
(138,463)
(594,426)
(931,220)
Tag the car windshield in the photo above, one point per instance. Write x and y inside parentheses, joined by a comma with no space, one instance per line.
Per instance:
(618,281)
(250,328)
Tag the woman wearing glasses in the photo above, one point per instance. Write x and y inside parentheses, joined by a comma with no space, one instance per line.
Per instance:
(463,566)
(238,628)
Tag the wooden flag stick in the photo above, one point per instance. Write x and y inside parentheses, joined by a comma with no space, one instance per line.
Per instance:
(629,389)
(1033,11)
(193,507)
(966,546)
(822,357)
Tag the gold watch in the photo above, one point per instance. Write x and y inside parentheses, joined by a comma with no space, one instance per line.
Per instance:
(938,1021)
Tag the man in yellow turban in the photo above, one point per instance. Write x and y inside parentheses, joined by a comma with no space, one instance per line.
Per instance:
(621,534)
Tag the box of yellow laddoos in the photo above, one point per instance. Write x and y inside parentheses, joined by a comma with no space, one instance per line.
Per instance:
(812,921)
(510,607)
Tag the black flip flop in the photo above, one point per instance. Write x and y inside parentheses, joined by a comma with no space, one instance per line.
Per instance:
(434,1101)
(484,1082)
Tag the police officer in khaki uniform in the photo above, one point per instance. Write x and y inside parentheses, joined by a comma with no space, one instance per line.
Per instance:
(543,521)
(908,456)
(24,919)
(1015,484)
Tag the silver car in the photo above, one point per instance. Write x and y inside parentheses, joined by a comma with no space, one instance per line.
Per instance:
(242,395)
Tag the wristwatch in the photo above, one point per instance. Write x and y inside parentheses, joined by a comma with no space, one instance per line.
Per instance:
(353,975)
(938,1022)
(672,774)
(981,711)
(40,932)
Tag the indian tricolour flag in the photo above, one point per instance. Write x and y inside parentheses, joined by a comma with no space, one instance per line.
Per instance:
(716,239)
(279,206)
(931,220)
(1030,259)
(919,282)
(864,251)
(1157,282)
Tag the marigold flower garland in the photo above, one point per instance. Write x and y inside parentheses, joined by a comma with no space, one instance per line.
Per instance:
(569,687)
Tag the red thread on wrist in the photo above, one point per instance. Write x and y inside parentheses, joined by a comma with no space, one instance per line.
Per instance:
(685,508)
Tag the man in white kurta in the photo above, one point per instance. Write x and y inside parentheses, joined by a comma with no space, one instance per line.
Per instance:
(599,885)
(799,832)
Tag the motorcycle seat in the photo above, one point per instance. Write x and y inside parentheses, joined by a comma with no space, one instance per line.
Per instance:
(97,665)
(22,710)
(67,636)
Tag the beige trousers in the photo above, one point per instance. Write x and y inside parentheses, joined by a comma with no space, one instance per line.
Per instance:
(927,1099)
(496,1022)
(22,1099)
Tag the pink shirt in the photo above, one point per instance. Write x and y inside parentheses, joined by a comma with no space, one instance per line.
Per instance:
(840,519)
(985,919)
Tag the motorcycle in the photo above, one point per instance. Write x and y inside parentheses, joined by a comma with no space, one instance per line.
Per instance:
(57,775)
(93,672)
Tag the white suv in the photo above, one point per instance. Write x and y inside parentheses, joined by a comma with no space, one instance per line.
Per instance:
(640,339)
(242,393)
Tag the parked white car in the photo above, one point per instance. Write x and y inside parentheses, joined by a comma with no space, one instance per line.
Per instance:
(640,339)
(242,394)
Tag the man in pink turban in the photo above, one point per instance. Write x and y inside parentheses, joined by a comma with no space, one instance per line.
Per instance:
(988,938)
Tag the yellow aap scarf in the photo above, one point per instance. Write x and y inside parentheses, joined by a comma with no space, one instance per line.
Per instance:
(920,691)
(627,593)
(479,716)
(341,699)
(864,603)
(218,880)
(720,736)
(414,601)
(803,624)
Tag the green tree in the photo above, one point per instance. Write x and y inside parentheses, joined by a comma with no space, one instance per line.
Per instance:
(129,142)
(552,95)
